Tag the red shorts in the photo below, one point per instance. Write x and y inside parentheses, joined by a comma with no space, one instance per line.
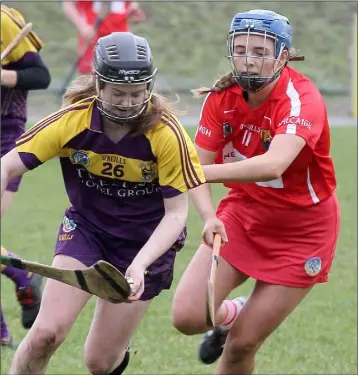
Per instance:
(290,247)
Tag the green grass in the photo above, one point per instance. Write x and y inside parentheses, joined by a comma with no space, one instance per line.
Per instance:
(319,338)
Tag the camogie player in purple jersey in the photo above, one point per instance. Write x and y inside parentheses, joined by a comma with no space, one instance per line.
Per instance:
(22,70)
(127,165)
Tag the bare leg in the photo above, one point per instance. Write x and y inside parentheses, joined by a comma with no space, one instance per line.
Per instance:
(189,303)
(111,330)
(59,309)
(268,306)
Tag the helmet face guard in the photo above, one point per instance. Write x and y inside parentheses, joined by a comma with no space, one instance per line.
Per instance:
(125,76)
(120,113)
(271,27)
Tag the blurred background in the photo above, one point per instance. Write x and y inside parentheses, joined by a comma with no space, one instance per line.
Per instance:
(188,41)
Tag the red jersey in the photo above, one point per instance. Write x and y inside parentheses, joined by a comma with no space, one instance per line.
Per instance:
(116,20)
(229,127)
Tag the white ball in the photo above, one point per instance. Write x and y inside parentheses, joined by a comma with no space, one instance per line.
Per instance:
(130,282)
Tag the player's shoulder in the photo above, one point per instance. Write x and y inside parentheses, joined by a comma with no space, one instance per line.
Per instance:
(74,117)
(167,126)
(168,130)
(7,21)
(11,17)
(219,100)
(300,87)
(226,94)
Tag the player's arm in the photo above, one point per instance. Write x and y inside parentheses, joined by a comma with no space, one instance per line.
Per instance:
(11,166)
(87,31)
(282,152)
(202,199)
(292,134)
(179,170)
(35,76)
(32,73)
(167,232)
(201,196)
(71,13)
(208,138)
(135,13)
(37,145)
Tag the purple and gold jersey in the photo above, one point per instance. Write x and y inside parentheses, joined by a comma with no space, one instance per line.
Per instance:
(13,101)
(116,188)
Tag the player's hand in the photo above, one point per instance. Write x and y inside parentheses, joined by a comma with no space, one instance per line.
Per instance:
(87,32)
(136,273)
(133,6)
(8,78)
(3,77)
(212,226)
(135,14)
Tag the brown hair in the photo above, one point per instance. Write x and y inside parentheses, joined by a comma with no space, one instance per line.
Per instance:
(223,83)
(85,86)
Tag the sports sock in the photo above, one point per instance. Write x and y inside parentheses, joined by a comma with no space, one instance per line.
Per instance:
(5,334)
(119,370)
(21,278)
(233,308)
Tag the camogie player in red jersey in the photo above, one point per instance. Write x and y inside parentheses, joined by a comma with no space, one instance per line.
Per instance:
(265,128)
(95,19)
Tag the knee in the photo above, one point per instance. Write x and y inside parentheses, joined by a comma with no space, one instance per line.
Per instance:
(45,340)
(239,349)
(99,363)
(187,321)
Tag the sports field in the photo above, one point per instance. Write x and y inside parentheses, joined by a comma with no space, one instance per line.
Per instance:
(320,337)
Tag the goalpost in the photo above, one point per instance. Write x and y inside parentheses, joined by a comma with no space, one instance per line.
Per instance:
(354,69)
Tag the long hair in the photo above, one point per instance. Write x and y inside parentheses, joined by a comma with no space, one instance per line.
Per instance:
(82,87)
(224,82)
(85,87)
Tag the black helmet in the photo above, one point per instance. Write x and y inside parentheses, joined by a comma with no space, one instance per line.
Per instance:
(123,58)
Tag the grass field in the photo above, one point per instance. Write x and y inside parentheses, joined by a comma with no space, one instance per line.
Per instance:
(319,338)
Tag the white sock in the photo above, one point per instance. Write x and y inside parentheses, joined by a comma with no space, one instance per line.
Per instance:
(233,308)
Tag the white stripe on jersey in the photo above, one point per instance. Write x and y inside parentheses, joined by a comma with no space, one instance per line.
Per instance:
(202,107)
(313,194)
(201,114)
(294,97)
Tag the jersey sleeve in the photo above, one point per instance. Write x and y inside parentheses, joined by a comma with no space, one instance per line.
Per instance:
(46,139)
(305,117)
(178,164)
(9,30)
(209,134)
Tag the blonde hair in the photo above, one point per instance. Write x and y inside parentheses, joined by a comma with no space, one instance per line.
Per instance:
(85,87)
(82,87)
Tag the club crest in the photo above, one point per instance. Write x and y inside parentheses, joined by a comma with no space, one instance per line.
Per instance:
(265,138)
(68,225)
(79,157)
(313,266)
(149,171)
(227,129)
